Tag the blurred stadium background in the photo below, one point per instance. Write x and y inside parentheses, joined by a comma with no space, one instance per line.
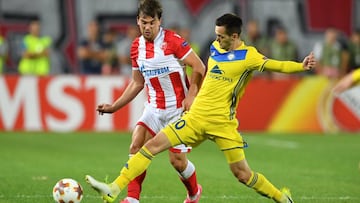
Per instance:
(66,21)
(65,100)
(49,128)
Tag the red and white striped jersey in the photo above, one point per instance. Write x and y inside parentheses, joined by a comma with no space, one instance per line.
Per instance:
(158,61)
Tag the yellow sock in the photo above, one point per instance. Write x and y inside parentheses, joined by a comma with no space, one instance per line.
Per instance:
(134,167)
(264,187)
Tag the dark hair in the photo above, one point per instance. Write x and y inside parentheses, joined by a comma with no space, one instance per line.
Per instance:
(231,22)
(150,8)
(357,31)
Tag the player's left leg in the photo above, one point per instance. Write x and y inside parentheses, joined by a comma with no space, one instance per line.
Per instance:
(187,173)
(232,144)
(257,181)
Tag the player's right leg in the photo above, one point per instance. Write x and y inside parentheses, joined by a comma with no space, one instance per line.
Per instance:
(135,166)
(139,137)
(187,173)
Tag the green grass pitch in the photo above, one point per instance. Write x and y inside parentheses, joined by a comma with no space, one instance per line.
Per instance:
(317,168)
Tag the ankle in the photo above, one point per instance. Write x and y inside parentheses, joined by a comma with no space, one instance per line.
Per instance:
(132,200)
(115,189)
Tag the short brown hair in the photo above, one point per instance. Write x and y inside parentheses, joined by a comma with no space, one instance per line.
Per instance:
(150,8)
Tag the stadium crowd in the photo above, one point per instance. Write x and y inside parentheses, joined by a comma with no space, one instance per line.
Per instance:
(106,51)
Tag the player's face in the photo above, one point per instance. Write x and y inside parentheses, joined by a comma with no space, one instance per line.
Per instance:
(224,40)
(35,28)
(149,26)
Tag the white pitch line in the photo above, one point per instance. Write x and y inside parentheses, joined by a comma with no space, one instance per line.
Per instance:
(242,197)
(330,198)
(283,144)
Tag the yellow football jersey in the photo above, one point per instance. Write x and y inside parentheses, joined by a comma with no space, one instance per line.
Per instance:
(227,76)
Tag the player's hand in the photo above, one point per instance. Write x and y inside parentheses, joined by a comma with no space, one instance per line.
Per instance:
(309,61)
(187,102)
(104,108)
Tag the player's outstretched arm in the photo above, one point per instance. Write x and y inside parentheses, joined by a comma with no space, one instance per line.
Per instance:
(347,81)
(308,63)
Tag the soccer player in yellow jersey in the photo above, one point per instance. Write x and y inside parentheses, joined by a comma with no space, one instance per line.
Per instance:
(212,114)
(347,81)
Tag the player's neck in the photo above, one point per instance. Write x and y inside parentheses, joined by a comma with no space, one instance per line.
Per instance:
(236,44)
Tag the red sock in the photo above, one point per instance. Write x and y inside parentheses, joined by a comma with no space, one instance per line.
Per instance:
(191,184)
(134,187)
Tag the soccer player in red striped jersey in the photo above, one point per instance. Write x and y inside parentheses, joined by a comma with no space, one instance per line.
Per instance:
(156,65)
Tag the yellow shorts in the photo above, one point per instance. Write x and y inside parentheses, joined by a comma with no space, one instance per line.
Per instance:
(192,130)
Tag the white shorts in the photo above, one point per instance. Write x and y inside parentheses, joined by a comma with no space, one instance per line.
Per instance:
(156,119)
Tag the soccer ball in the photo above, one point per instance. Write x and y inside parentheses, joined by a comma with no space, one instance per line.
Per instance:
(67,190)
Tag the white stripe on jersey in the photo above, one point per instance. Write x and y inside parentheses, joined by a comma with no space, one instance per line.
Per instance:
(164,76)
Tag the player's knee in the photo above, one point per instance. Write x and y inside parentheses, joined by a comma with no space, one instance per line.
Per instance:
(134,148)
(242,175)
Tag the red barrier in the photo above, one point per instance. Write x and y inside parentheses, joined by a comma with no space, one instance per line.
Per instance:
(60,103)
(68,103)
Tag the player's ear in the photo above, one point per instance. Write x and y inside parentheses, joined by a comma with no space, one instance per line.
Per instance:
(138,20)
(234,36)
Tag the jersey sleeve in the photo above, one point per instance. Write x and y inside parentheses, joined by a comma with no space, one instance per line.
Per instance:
(283,66)
(134,53)
(255,60)
(180,47)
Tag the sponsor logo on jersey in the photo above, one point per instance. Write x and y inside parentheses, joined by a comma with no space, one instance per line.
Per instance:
(216,73)
(217,70)
(154,72)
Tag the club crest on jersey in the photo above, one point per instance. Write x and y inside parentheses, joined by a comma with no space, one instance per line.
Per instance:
(231,56)
(163,46)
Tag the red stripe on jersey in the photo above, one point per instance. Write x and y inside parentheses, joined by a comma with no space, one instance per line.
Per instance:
(175,44)
(178,88)
(160,95)
(134,52)
(149,50)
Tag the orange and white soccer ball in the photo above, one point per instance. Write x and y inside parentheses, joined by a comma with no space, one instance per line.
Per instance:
(67,190)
